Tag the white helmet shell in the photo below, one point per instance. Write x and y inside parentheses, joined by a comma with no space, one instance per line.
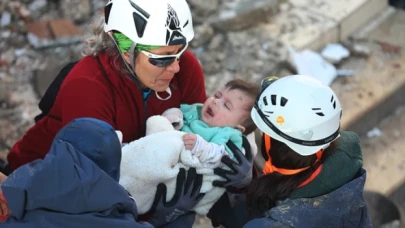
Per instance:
(299,111)
(150,22)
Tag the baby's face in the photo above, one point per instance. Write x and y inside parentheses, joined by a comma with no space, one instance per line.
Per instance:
(226,108)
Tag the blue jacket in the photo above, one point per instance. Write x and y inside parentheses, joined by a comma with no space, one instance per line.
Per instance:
(344,207)
(75,185)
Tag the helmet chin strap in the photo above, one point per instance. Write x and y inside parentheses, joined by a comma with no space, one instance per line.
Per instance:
(132,59)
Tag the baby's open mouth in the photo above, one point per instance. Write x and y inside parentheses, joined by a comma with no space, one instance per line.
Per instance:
(210,112)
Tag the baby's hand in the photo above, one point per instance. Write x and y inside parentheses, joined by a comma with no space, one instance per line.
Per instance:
(189,140)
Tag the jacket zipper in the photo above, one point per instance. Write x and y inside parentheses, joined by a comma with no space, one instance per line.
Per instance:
(145,100)
(145,103)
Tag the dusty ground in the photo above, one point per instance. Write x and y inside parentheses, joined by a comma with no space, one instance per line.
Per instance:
(384,153)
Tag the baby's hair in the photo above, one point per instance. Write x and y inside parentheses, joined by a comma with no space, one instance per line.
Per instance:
(251,90)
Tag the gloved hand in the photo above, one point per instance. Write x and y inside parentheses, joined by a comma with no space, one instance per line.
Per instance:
(175,116)
(187,195)
(240,173)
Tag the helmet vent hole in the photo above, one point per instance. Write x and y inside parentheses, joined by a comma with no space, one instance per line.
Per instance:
(140,24)
(319,113)
(167,36)
(185,24)
(107,11)
(334,105)
(283,101)
(139,9)
(274,99)
(331,99)
(265,101)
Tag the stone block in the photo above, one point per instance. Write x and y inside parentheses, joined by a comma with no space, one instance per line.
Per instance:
(245,15)
(392,30)
(302,29)
(38,34)
(335,10)
(366,12)
(64,31)
(47,33)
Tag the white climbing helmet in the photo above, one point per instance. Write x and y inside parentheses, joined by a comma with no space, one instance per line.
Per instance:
(299,111)
(150,22)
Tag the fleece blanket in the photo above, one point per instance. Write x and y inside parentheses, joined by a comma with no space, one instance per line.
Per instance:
(157,158)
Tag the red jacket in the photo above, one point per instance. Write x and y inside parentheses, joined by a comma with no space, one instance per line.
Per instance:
(87,93)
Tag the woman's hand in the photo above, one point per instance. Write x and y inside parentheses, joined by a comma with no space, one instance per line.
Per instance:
(240,173)
(187,195)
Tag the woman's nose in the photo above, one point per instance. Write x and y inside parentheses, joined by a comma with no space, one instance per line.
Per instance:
(174,67)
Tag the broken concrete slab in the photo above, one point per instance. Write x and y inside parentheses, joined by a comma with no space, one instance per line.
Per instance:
(378,86)
(302,29)
(392,30)
(349,14)
(64,31)
(335,10)
(244,15)
(372,93)
(366,12)
(39,35)
(46,33)
(383,156)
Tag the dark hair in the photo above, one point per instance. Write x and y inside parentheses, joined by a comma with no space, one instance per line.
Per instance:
(250,89)
(263,192)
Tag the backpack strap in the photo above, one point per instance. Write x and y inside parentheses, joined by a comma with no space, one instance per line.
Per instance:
(47,101)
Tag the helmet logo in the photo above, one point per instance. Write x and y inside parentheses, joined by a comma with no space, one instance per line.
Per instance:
(173,33)
(172,20)
(280,120)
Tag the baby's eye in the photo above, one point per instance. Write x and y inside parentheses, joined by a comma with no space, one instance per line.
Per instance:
(226,106)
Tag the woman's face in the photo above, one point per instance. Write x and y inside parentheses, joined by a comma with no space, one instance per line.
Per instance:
(153,77)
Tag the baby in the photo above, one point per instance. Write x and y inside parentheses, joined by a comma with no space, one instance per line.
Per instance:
(223,117)
(205,130)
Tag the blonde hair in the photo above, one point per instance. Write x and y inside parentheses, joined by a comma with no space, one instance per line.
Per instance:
(99,41)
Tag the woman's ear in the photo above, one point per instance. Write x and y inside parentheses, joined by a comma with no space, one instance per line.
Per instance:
(240,128)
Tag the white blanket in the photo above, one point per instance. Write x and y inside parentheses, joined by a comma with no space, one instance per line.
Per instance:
(157,158)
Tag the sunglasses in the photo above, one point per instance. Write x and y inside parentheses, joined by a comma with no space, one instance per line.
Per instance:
(164,60)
